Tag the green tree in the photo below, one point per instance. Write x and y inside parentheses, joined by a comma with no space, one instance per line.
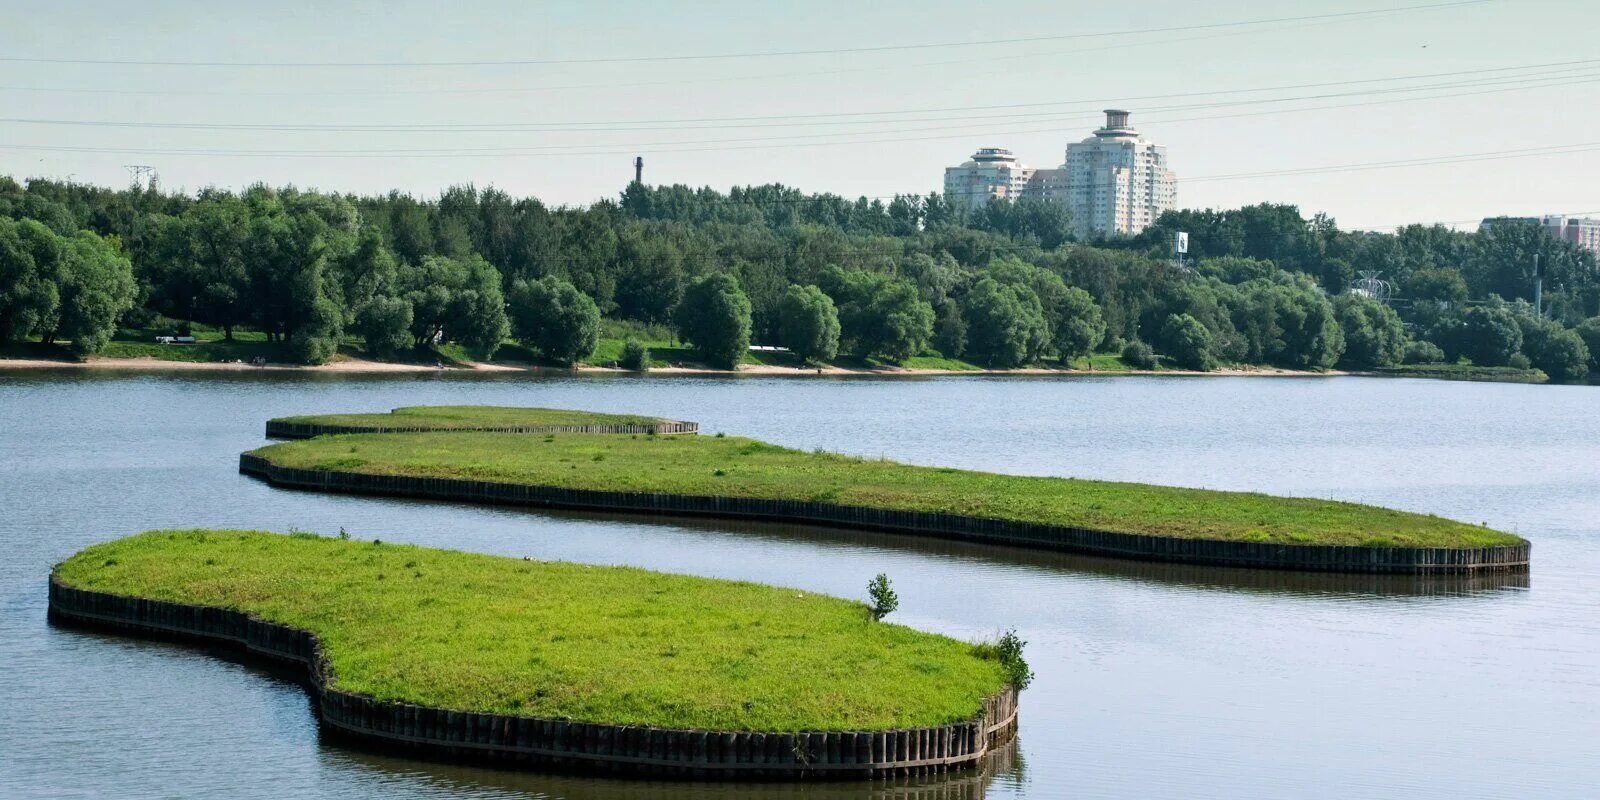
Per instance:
(635,355)
(883,597)
(456,300)
(1286,321)
(1423,353)
(949,330)
(553,317)
(1489,335)
(367,272)
(1589,331)
(808,324)
(97,286)
(1563,356)
(30,272)
(1436,284)
(1189,343)
(1080,327)
(1373,334)
(1005,325)
(384,323)
(902,323)
(714,315)
(1560,352)
(878,315)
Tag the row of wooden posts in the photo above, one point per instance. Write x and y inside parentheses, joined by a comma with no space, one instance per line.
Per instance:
(286,429)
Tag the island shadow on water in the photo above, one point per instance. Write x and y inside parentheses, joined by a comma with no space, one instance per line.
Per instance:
(1194,576)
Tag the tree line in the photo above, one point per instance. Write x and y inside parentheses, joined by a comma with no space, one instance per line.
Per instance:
(823,275)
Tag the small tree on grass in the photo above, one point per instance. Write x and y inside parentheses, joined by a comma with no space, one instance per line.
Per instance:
(884,600)
(635,355)
(1138,355)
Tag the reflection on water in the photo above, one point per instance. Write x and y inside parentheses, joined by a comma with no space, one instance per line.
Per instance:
(1003,766)
(1153,680)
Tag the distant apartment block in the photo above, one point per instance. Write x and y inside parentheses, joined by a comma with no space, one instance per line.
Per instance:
(1581,231)
(1114,183)
(993,173)
(1117,182)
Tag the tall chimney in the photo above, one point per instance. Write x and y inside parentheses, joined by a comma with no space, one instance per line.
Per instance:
(638,169)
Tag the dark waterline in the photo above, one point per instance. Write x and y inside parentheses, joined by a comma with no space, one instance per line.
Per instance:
(1153,680)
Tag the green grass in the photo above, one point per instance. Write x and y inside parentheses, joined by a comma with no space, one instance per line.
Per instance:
(738,467)
(939,362)
(1104,362)
(463,418)
(203,351)
(548,639)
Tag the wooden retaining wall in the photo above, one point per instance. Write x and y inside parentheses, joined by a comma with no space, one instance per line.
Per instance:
(553,743)
(1316,558)
(283,429)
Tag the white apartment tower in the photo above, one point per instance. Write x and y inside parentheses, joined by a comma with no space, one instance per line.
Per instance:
(1116,183)
(992,173)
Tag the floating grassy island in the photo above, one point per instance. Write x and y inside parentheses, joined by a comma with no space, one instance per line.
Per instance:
(559,663)
(738,477)
(418,419)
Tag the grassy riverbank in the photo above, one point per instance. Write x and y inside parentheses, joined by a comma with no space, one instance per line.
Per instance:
(737,467)
(593,644)
(1465,372)
(465,418)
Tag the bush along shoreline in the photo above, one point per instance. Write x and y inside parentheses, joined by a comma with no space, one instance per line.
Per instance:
(736,477)
(563,666)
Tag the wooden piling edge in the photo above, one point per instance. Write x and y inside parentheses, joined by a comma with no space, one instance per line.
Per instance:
(283,429)
(1039,536)
(560,744)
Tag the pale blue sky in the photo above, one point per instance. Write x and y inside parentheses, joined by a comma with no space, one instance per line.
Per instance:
(896,155)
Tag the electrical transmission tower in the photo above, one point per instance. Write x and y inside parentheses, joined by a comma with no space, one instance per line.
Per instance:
(142,176)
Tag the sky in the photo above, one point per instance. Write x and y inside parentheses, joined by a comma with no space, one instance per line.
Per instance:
(560,96)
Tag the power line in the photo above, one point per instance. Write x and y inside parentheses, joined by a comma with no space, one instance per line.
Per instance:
(987,60)
(756,143)
(752,54)
(1561,70)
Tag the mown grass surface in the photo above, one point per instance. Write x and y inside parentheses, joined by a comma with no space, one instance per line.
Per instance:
(471,417)
(593,644)
(738,467)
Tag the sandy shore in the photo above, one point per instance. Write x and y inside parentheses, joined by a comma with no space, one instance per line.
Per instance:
(356,365)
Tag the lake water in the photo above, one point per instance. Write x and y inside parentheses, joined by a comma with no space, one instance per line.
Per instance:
(1152,681)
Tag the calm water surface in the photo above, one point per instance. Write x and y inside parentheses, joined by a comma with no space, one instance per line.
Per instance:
(1153,681)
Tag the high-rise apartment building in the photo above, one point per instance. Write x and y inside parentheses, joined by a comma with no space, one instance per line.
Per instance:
(1581,231)
(992,173)
(1114,183)
(1117,183)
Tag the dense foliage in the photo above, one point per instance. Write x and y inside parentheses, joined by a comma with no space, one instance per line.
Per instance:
(1005,286)
(809,324)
